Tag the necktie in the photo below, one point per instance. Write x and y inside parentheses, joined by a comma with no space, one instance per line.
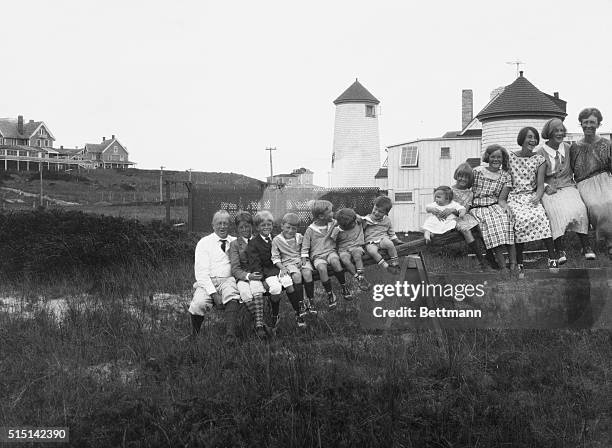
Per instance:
(223,245)
(557,161)
(268,239)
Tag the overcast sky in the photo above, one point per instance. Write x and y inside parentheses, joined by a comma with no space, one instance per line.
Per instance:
(209,85)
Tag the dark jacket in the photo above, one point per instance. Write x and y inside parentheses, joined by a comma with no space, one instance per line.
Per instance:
(259,254)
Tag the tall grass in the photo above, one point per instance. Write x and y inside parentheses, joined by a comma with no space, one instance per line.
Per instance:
(120,375)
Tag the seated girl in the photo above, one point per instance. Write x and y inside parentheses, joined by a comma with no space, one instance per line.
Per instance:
(443,213)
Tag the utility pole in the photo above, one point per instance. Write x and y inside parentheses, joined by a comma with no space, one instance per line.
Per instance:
(41,185)
(189,171)
(161,187)
(518,65)
(271,171)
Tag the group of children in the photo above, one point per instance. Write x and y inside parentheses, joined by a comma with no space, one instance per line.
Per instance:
(261,262)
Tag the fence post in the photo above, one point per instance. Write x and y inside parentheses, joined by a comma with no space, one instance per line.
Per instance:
(189,187)
(167,198)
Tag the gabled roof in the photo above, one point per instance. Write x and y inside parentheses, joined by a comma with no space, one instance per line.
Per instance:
(356,93)
(521,98)
(101,147)
(8,128)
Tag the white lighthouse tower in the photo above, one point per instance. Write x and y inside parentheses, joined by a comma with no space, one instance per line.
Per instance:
(356,152)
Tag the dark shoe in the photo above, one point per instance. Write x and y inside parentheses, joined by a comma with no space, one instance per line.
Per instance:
(346,293)
(331,301)
(303,309)
(310,309)
(301,323)
(589,254)
(260,332)
(363,282)
(562,257)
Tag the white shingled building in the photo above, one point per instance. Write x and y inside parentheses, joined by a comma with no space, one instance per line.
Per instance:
(356,150)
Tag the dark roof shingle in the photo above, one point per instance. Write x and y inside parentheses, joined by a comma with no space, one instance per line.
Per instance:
(356,93)
(521,98)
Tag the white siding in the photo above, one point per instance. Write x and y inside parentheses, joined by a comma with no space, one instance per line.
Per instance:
(356,147)
(504,132)
(431,172)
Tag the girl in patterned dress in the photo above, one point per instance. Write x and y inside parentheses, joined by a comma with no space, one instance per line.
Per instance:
(491,186)
(530,221)
(467,224)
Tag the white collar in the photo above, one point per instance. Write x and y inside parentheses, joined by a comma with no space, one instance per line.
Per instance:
(264,238)
(552,152)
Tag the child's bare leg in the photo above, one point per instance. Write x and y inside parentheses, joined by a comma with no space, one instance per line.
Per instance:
(345,257)
(322,269)
(372,250)
(388,245)
(357,254)
(309,290)
(467,236)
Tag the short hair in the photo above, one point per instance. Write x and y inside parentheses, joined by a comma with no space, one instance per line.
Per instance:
(586,113)
(346,216)
(465,168)
(493,148)
(383,203)
(448,192)
(550,126)
(262,216)
(320,206)
(291,218)
(242,216)
(522,135)
(219,214)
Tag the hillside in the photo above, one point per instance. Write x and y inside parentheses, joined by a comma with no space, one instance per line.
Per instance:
(90,187)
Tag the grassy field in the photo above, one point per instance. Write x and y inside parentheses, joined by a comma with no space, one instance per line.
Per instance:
(115,370)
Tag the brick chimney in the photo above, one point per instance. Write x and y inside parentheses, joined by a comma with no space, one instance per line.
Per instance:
(113,136)
(467,107)
(20,124)
(103,139)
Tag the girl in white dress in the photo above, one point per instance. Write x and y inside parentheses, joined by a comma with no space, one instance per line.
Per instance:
(443,213)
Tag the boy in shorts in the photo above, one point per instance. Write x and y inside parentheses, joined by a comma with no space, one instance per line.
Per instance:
(349,241)
(286,249)
(320,248)
(378,233)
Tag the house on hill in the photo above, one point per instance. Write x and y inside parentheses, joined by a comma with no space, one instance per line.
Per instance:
(300,177)
(26,146)
(416,167)
(106,154)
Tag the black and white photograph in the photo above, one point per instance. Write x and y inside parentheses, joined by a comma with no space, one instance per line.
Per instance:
(323,224)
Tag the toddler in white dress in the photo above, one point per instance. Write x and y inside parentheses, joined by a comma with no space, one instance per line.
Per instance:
(443,213)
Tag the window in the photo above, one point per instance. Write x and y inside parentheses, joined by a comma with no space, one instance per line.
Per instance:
(370,111)
(410,156)
(115,149)
(445,152)
(404,196)
(38,142)
(41,132)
